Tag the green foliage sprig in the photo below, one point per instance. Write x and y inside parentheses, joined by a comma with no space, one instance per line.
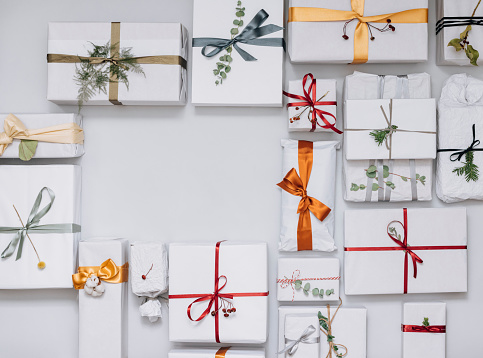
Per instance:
(372,172)
(380,135)
(315,291)
(393,232)
(426,322)
(323,321)
(469,169)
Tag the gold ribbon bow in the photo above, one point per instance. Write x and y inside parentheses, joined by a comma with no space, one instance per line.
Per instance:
(297,185)
(107,272)
(68,133)
(361,34)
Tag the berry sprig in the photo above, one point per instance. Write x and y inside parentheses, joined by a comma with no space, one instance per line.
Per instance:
(388,27)
(309,114)
(147,273)
(226,307)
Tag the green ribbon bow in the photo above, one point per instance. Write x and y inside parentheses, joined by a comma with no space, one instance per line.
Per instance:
(33,225)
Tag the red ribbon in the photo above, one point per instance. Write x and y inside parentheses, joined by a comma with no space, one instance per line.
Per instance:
(409,250)
(213,298)
(423,329)
(310,100)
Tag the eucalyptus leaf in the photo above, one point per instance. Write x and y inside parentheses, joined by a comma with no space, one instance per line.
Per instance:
(228,58)
(371,175)
(315,291)
(223,74)
(236,22)
(375,187)
(240,23)
(240,13)
(26,149)
(354,187)
(307,286)
(227,69)
(372,169)
(321,293)
(362,186)
(385,171)
(404,179)
(234,31)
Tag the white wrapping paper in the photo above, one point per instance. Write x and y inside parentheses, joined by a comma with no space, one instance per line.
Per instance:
(249,83)
(460,107)
(145,255)
(320,273)
(21,184)
(161,85)
(321,186)
(382,272)
(423,344)
(105,315)
(192,271)
(295,326)
(211,353)
(305,38)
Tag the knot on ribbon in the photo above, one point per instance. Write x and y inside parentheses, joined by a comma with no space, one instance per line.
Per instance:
(113,60)
(291,345)
(108,271)
(458,154)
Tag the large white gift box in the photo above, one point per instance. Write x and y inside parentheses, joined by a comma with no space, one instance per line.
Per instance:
(348,327)
(424,330)
(414,119)
(405,251)
(55,232)
(309,170)
(105,314)
(321,275)
(314,35)
(210,297)
(255,80)
(224,352)
(161,50)
(460,130)
(302,335)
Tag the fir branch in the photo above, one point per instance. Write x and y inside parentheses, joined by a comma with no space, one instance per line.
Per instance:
(469,169)
(380,135)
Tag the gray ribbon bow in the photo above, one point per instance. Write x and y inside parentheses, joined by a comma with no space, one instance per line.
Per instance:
(33,225)
(291,345)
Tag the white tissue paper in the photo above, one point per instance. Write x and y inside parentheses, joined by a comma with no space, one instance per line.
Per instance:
(296,326)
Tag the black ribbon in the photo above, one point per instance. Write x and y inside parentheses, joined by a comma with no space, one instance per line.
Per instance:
(458,153)
(452,21)
(250,35)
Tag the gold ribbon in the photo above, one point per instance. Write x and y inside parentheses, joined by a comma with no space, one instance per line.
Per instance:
(221,352)
(68,133)
(361,34)
(328,334)
(116,61)
(107,272)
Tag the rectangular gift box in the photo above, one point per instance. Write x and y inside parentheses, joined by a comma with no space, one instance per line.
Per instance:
(313,22)
(107,314)
(420,341)
(195,270)
(161,49)
(322,275)
(224,352)
(348,327)
(251,83)
(376,263)
(56,238)
(304,327)
(415,120)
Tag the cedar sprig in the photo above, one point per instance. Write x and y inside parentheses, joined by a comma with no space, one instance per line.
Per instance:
(380,135)
(469,169)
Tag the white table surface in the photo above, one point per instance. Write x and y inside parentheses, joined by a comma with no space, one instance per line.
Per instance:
(190,174)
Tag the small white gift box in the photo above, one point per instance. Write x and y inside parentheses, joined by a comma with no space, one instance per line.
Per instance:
(405,251)
(302,335)
(54,231)
(321,275)
(424,330)
(224,352)
(160,48)
(415,122)
(210,298)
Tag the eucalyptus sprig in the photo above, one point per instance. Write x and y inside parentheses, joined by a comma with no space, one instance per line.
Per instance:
(380,135)
(372,172)
(393,232)
(315,291)
(469,169)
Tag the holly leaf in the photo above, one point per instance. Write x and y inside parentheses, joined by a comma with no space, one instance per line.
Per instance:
(464,34)
(456,43)
(26,149)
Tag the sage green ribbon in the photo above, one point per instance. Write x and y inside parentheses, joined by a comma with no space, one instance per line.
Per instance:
(33,225)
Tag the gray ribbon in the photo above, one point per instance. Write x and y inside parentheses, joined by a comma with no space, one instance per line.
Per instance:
(291,345)
(33,225)
(402,86)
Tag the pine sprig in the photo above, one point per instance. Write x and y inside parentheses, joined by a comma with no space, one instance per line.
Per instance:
(380,135)
(469,169)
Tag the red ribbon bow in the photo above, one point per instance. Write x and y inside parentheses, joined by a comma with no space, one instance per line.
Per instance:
(423,329)
(309,99)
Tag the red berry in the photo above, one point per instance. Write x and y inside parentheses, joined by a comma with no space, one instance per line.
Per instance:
(224,310)
(345,37)
(233,309)
(143,277)
(372,38)
(296,108)
(226,315)
(388,21)
(213,313)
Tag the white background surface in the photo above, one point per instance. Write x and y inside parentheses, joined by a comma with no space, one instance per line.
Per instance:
(189,174)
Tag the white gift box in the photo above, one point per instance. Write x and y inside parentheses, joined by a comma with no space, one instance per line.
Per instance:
(320,273)
(302,331)
(248,83)
(447,55)
(375,264)
(460,108)
(415,119)
(348,328)
(161,84)
(305,37)
(421,342)
(106,314)
(212,353)
(195,268)
(321,186)
(22,184)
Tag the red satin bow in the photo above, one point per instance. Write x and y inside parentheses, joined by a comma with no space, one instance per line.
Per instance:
(423,329)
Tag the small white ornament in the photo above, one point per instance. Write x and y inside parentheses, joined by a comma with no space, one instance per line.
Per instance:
(94,286)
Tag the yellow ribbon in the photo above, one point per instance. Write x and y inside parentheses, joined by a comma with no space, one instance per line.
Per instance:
(107,272)
(361,34)
(68,133)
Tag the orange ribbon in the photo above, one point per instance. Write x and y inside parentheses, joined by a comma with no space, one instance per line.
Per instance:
(221,352)
(297,185)
(107,272)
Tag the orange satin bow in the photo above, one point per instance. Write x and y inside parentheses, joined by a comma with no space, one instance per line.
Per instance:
(107,272)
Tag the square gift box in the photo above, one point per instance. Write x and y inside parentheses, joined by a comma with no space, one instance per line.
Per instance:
(424,330)
(237,53)
(405,251)
(224,352)
(327,31)
(160,49)
(210,297)
(321,274)
(47,199)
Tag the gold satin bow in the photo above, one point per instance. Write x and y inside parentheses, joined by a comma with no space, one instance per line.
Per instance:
(68,133)
(107,272)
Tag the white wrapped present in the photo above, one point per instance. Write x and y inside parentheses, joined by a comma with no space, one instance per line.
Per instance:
(308,279)
(160,49)
(102,307)
(302,335)
(224,352)
(424,330)
(44,199)
(309,184)
(328,31)
(405,251)
(210,297)
(460,129)
(237,53)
